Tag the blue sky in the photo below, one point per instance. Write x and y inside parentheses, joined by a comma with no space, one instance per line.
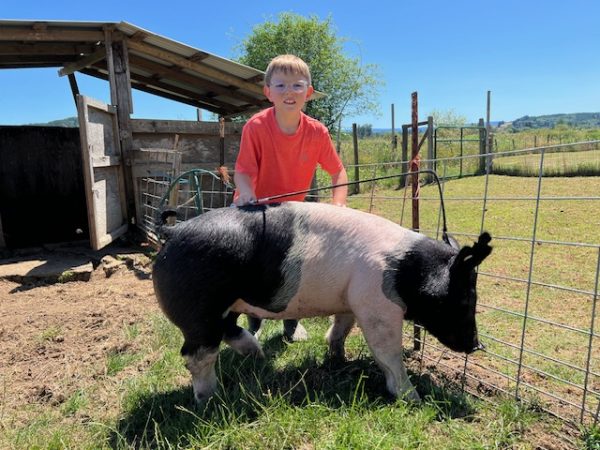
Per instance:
(535,57)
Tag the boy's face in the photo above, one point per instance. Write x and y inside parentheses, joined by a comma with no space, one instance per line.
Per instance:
(288,91)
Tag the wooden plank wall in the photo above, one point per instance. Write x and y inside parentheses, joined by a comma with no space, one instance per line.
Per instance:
(198,142)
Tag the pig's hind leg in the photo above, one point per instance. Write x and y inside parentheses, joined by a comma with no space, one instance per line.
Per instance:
(239,339)
(337,333)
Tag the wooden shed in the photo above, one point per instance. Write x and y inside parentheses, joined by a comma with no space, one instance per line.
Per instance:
(117,151)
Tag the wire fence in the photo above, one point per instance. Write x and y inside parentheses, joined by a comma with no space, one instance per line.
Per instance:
(538,292)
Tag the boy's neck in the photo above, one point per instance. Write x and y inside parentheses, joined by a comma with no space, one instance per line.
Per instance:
(287,123)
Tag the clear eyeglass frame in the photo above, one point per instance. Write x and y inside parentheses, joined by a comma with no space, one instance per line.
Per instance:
(298,87)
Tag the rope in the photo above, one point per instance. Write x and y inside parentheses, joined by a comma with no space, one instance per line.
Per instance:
(352,183)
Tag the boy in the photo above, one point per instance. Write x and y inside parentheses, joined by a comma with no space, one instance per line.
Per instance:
(281,147)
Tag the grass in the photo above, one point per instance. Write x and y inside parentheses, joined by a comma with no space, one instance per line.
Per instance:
(295,398)
(555,358)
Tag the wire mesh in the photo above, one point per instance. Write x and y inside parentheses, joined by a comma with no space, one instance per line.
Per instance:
(162,186)
(539,289)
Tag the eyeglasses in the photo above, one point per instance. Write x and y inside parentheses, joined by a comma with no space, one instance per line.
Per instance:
(297,87)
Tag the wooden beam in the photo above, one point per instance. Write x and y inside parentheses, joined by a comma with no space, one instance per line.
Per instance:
(45,48)
(178,60)
(138,36)
(59,60)
(29,35)
(184,127)
(185,100)
(86,61)
(169,72)
(198,56)
(205,100)
(155,86)
(74,87)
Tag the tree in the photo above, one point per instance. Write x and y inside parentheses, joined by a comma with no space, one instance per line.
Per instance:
(351,88)
(447,118)
(365,130)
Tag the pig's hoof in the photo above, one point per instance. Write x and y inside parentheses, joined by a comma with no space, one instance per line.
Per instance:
(293,331)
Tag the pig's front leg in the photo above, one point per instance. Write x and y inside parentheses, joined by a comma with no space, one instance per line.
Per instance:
(382,328)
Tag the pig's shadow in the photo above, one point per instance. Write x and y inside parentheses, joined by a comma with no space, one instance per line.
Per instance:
(247,386)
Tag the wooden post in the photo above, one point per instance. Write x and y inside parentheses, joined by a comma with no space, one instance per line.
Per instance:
(488,133)
(122,96)
(482,146)
(415,188)
(431,165)
(356,189)
(414,167)
(394,137)
(110,64)
(404,157)
(74,87)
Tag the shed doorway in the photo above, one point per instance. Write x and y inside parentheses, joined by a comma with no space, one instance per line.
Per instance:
(41,186)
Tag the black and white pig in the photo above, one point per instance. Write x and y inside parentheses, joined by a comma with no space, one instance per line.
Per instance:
(296,260)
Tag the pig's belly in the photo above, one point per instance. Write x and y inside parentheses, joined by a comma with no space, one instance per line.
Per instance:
(301,306)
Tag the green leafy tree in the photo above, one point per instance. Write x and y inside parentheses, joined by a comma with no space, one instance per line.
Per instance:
(365,130)
(350,87)
(448,117)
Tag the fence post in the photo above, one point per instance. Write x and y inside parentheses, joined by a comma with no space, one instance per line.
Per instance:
(431,165)
(404,157)
(356,189)
(482,146)
(414,167)
(394,137)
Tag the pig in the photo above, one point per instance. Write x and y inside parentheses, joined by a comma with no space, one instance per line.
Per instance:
(296,260)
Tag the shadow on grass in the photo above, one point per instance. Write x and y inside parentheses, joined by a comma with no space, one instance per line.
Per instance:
(248,387)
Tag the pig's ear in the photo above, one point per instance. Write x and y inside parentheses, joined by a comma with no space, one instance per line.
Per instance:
(470,257)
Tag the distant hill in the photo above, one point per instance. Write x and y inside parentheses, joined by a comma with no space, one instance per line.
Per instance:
(576,120)
(68,122)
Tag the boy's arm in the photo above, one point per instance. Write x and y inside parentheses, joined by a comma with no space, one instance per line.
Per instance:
(243,184)
(341,192)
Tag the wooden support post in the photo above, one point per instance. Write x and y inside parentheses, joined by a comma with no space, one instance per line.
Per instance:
(110,64)
(122,97)
(356,189)
(74,87)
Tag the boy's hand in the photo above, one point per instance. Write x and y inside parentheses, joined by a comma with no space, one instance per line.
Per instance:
(244,199)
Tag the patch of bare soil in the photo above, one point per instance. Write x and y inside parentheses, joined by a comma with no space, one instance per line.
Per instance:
(54,338)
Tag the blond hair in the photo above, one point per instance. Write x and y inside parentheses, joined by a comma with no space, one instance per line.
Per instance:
(287,64)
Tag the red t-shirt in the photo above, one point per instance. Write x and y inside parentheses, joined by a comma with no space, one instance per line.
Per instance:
(279,163)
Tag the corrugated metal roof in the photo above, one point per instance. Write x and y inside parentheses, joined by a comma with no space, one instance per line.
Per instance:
(157,64)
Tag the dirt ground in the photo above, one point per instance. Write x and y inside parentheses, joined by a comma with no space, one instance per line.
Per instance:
(54,337)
